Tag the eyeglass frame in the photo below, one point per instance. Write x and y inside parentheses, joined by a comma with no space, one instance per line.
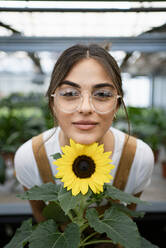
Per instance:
(91,104)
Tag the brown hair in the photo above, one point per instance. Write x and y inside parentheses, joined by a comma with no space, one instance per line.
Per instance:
(78,52)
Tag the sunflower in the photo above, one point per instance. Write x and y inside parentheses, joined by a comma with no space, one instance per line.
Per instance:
(83,166)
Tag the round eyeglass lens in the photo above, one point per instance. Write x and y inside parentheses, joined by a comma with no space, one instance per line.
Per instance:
(68,104)
(104,106)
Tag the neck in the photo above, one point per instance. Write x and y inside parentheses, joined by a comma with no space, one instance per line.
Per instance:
(109,142)
(63,140)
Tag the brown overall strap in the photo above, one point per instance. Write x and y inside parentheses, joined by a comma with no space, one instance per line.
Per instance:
(41,159)
(125,163)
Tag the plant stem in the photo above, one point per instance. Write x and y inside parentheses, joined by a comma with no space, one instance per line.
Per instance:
(79,210)
(96,242)
(82,228)
(70,216)
(101,216)
(90,236)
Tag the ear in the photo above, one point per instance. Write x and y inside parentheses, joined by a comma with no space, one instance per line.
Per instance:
(116,109)
(53,109)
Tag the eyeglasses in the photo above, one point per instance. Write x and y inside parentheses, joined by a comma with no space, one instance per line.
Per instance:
(101,101)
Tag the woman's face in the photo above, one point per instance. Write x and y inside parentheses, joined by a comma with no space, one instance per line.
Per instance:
(85,125)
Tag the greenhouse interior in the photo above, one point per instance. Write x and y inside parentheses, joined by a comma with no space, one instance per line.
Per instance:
(33,34)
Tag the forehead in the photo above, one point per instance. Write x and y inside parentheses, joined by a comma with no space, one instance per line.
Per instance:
(88,71)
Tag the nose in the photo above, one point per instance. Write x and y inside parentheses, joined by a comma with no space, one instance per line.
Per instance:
(85,106)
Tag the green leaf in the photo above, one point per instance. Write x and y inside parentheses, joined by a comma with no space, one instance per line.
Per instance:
(117,194)
(117,225)
(56,156)
(67,200)
(47,235)
(147,244)
(21,236)
(45,192)
(72,235)
(128,211)
(54,211)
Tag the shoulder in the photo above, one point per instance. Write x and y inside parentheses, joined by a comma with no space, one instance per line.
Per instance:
(144,159)
(143,152)
(142,149)
(25,150)
(142,165)
(25,164)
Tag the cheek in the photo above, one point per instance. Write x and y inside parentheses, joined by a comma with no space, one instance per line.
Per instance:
(107,120)
(63,119)
(57,113)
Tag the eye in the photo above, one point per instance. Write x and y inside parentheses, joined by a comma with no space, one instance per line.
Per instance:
(103,94)
(69,93)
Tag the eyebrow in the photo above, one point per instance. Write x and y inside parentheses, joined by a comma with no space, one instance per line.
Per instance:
(96,86)
(70,83)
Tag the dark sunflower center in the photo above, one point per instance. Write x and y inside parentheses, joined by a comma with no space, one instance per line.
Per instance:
(83,166)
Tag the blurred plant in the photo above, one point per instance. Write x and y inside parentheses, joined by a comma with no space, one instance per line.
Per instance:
(21,117)
(16,130)
(148,124)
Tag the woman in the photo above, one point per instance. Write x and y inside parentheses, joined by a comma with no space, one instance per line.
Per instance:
(84,95)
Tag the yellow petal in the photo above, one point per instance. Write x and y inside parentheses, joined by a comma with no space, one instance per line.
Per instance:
(72,184)
(72,143)
(84,186)
(97,179)
(103,169)
(90,150)
(68,177)
(92,186)
(99,187)
(76,188)
(69,182)
(59,175)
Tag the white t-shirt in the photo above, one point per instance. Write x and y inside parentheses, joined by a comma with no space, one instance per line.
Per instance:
(140,173)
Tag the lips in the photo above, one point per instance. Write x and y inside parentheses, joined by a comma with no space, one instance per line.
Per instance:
(85,125)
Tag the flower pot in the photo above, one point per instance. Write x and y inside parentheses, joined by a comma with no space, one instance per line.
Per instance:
(163,163)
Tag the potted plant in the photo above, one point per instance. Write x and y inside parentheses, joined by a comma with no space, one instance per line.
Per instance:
(73,216)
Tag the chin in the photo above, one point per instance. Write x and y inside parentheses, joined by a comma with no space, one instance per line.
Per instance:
(84,140)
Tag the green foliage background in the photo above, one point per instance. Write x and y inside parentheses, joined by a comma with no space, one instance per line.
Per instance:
(22,117)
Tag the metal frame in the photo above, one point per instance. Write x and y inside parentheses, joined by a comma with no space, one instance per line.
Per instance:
(97,10)
(88,0)
(143,43)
